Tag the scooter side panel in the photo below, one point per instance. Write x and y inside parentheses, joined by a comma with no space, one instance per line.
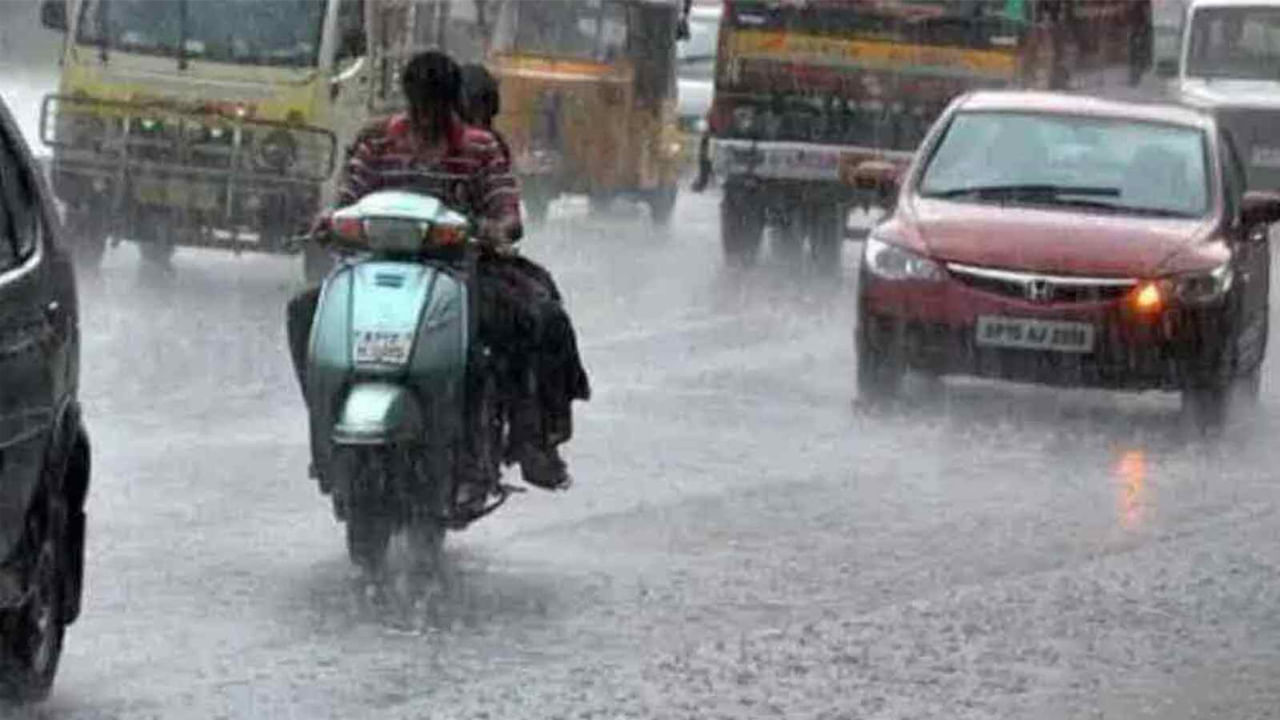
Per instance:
(390,296)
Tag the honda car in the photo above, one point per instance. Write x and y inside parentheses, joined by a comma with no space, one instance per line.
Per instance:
(1068,240)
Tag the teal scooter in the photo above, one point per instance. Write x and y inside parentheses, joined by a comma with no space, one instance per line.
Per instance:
(405,412)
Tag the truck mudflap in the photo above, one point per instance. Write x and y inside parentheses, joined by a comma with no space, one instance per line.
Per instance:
(224,169)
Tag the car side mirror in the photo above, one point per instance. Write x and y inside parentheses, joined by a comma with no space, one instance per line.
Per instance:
(1260,207)
(53,14)
(1167,68)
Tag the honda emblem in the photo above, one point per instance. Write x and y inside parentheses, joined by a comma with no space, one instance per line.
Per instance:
(1039,290)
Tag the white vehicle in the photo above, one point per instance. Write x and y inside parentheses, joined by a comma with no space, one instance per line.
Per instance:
(695,72)
(1230,63)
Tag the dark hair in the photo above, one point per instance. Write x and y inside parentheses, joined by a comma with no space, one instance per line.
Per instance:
(480,101)
(431,80)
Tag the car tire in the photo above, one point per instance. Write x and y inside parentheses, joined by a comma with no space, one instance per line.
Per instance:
(879,374)
(31,635)
(741,227)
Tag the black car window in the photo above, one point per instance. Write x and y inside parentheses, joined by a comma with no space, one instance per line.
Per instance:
(1233,175)
(21,205)
(15,210)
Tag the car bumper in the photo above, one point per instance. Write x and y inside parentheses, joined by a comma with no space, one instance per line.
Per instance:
(933,327)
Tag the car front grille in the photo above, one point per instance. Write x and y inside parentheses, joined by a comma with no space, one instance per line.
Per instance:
(1034,287)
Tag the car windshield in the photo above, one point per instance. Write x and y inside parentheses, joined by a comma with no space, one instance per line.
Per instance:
(1235,42)
(697,55)
(1105,164)
(583,29)
(254,32)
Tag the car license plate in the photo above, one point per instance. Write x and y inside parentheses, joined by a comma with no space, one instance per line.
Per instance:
(1027,334)
(1267,157)
(178,194)
(383,347)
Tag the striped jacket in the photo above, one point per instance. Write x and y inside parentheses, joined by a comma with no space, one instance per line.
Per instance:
(473,176)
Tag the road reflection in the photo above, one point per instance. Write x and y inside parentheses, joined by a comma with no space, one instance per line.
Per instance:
(1131,476)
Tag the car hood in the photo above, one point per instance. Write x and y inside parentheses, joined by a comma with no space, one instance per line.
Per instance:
(1225,92)
(694,97)
(1049,241)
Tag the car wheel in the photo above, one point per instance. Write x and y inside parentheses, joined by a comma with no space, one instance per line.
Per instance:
(1205,407)
(879,373)
(31,635)
(741,228)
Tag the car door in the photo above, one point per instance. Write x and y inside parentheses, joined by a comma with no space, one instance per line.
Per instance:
(34,338)
(1251,248)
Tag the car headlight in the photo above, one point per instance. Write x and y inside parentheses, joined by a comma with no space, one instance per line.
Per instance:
(1203,288)
(891,262)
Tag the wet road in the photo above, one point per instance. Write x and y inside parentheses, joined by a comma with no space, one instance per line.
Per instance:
(741,542)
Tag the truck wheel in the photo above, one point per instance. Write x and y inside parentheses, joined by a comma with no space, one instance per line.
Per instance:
(157,254)
(826,239)
(31,634)
(87,240)
(662,204)
(741,228)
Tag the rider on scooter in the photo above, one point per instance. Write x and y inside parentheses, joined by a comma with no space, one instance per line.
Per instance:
(430,148)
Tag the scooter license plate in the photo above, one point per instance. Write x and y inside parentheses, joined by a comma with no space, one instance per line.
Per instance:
(382,347)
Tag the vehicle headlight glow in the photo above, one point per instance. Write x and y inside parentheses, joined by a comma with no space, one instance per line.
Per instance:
(890,262)
(1203,288)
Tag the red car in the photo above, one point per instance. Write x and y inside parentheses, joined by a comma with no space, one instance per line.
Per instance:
(1069,240)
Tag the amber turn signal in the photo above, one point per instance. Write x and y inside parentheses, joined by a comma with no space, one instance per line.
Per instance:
(1148,298)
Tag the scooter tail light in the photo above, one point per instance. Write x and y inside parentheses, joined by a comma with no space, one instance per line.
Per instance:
(349,229)
(447,235)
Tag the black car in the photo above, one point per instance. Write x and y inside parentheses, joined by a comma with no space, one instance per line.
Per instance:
(44,449)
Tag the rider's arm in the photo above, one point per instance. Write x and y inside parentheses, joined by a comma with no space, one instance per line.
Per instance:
(358,176)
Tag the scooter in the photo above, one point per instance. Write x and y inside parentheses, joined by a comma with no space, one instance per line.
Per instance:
(405,411)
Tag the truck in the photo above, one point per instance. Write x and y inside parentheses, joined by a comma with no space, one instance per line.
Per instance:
(1229,65)
(807,92)
(219,123)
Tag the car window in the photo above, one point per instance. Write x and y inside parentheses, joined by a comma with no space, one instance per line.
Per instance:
(16,231)
(1130,165)
(21,213)
(1234,176)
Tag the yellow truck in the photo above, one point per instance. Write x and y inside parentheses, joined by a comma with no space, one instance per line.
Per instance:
(218,123)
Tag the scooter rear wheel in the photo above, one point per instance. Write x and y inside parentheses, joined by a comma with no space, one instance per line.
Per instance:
(369,518)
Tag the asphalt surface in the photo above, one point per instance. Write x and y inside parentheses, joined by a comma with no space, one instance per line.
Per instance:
(741,541)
